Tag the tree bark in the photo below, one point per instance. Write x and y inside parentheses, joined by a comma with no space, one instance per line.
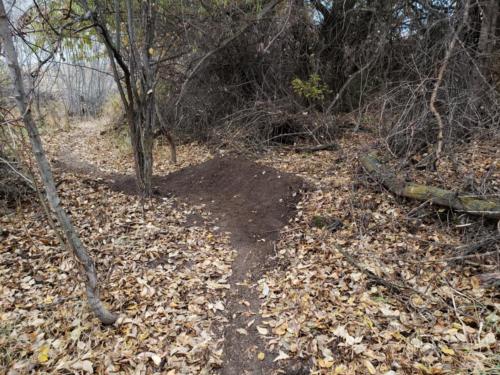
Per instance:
(486,45)
(474,205)
(139,78)
(44,168)
(141,137)
(486,42)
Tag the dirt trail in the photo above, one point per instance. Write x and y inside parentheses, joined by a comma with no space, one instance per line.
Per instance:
(253,203)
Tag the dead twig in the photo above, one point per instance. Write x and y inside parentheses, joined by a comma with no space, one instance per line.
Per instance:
(327,146)
(474,247)
(16,171)
(388,284)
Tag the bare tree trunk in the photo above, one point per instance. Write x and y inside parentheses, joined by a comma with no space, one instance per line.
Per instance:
(142,146)
(137,93)
(44,168)
(486,43)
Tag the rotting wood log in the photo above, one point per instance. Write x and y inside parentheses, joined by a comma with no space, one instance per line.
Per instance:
(473,205)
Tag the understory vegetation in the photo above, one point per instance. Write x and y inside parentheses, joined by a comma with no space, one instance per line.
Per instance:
(249,186)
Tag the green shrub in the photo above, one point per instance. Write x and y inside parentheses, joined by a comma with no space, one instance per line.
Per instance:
(313,89)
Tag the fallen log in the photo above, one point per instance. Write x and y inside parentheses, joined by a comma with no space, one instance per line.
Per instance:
(474,205)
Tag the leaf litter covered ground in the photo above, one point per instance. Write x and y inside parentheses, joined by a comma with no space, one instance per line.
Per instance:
(166,268)
(318,305)
(168,281)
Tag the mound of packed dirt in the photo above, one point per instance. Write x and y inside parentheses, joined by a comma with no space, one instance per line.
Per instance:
(252,198)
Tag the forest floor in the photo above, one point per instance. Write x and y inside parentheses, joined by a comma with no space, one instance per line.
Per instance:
(255,266)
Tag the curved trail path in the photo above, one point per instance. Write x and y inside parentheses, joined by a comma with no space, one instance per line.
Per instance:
(253,203)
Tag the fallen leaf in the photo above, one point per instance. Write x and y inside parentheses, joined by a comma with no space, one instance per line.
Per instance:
(43,354)
(262,330)
(486,341)
(371,369)
(265,290)
(423,368)
(156,359)
(325,363)
(219,306)
(83,365)
(447,350)
(386,311)
(475,282)
(242,331)
(281,330)
(281,356)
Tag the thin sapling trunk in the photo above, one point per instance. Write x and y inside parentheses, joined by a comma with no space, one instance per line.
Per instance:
(45,170)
